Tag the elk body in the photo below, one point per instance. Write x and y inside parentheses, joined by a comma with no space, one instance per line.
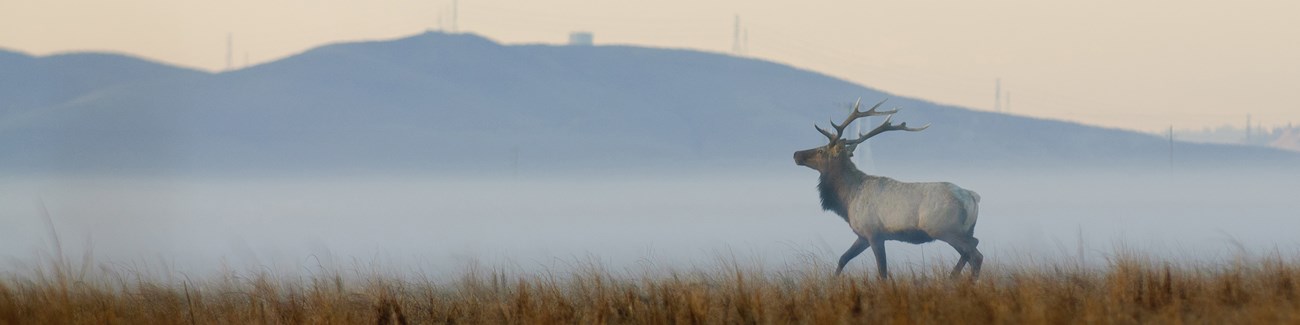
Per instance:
(880,208)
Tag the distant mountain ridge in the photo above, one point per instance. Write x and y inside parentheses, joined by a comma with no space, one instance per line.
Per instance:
(29,81)
(438,101)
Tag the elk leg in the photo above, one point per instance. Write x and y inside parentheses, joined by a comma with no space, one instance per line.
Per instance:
(858,246)
(976,259)
(878,247)
(966,247)
(956,270)
(962,250)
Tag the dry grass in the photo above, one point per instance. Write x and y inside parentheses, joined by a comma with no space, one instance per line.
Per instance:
(1129,290)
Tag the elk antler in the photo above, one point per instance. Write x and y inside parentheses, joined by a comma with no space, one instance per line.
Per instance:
(855,114)
(884,127)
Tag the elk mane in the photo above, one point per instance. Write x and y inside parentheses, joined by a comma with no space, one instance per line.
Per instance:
(833,192)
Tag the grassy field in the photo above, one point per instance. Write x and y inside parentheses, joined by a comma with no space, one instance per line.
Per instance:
(1127,290)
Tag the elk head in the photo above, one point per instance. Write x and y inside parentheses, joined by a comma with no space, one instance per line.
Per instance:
(839,150)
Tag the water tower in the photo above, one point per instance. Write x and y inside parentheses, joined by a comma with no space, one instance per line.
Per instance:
(580,39)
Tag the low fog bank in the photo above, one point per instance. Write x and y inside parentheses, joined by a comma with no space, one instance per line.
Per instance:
(441,223)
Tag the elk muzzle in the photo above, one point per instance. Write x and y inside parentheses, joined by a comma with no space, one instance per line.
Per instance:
(801,157)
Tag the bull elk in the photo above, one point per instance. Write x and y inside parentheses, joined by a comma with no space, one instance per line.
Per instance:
(880,208)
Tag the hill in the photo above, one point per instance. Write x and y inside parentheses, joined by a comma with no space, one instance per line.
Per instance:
(29,82)
(461,102)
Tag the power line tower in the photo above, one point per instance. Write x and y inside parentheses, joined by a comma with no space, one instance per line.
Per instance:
(739,37)
(865,159)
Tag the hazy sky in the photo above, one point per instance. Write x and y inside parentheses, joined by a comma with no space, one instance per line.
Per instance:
(1141,65)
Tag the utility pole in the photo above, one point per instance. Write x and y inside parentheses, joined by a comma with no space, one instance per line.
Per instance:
(1247,128)
(997,95)
(1171,146)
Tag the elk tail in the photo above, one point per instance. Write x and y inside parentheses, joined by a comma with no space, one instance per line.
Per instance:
(971,210)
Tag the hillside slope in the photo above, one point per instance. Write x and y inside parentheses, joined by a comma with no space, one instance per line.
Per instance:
(461,102)
(28,82)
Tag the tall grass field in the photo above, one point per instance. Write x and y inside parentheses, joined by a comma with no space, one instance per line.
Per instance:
(1127,289)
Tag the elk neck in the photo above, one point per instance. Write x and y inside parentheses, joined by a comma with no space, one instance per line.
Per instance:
(838,185)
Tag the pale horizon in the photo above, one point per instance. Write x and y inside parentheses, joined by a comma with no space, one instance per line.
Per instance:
(1137,66)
